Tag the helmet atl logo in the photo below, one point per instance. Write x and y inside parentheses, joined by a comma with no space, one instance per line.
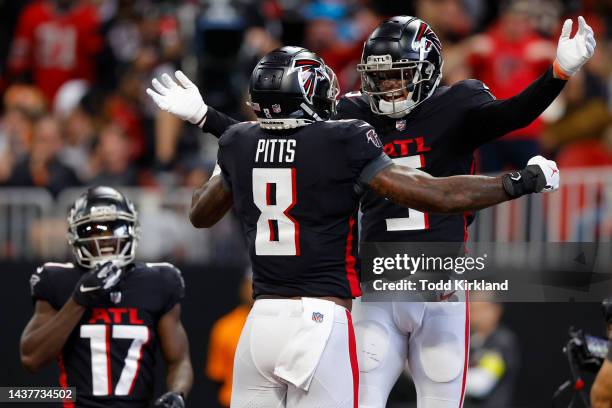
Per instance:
(309,73)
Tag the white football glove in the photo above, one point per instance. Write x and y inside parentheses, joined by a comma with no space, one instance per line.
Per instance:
(573,53)
(550,170)
(182,100)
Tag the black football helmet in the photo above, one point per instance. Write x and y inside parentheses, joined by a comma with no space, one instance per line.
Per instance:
(103,226)
(406,48)
(292,87)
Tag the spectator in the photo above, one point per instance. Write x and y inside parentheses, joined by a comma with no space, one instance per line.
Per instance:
(224,338)
(42,166)
(494,356)
(55,41)
(124,108)
(23,103)
(508,57)
(111,159)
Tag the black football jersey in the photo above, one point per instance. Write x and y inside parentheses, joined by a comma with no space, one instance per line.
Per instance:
(110,355)
(439,137)
(431,138)
(297,195)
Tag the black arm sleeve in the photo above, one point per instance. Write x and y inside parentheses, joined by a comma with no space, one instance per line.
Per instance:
(216,122)
(610,351)
(494,118)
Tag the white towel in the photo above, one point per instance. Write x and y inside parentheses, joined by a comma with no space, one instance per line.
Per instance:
(299,359)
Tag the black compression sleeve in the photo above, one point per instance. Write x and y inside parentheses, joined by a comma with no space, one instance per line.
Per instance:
(216,122)
(495,118)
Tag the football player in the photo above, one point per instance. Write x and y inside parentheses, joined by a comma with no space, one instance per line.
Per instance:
(295,179)
(435,128)
(103,318)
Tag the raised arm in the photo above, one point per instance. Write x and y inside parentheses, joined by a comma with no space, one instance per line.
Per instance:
(416,189)
(46,333)
(494,118)
(182,99)
(210,203)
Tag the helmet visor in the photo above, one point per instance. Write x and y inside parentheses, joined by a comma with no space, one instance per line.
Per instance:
(102,239)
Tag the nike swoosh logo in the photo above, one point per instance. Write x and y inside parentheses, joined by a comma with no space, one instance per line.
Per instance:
(515,178)
(86,289)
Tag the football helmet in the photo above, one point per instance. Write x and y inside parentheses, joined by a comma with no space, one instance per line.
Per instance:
(292,87)
(103,226)
(405,52)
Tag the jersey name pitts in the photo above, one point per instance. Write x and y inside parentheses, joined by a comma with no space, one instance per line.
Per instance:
(406,147)
(275,151)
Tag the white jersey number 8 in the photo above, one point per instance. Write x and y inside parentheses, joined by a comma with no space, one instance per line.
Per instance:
(274,193)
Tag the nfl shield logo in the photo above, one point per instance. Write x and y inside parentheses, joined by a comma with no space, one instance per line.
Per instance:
(276,108)
(317,317)
(115,297)
(400,124)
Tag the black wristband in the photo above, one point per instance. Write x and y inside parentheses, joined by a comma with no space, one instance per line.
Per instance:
(529,180)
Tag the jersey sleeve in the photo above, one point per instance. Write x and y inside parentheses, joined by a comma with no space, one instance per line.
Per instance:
(365,151)
(217,122)
(39,285)
(488,118)
(53,283)
(173,282)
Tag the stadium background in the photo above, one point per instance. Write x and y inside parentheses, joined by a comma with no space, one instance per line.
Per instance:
(74,113)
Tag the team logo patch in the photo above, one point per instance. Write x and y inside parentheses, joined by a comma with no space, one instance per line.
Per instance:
(373,137)
(115,297)
(276,108)
(34,279)
(310,71)
(425,39)
(255,106)
(400,124)
(317,317)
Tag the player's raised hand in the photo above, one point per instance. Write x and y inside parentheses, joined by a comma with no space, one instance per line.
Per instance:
(181,99)
(171,399)
(550,172)
(95,283)
(573,53)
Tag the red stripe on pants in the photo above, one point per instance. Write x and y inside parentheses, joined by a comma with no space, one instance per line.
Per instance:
(353,358)
(467,347)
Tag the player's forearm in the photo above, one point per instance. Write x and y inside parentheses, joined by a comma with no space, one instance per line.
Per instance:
(44,343)
(180,376)
(217,122)
(501,116)
(418,190)
(209,203)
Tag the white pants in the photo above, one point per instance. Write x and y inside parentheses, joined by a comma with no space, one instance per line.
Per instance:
(272,324)
(433,337)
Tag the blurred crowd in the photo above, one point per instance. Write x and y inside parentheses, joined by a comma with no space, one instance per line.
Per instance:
(73,74)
